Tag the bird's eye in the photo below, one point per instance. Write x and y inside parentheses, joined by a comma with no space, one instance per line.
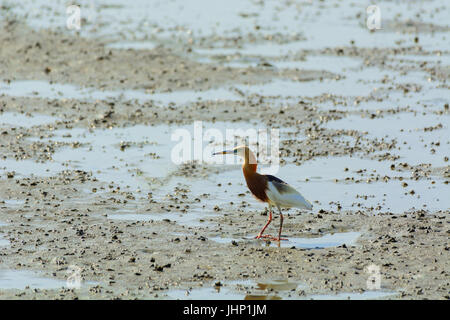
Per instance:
(235,151)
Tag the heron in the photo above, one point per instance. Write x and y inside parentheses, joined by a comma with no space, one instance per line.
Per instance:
(267,188)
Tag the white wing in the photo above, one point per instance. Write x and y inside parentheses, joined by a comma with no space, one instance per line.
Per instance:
(284,195)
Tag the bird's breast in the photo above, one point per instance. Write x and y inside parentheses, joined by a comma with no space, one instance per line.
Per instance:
(257,185)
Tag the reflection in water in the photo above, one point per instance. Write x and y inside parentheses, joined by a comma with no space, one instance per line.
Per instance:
(247,290)
(262,297)
(278,285)
(271,287)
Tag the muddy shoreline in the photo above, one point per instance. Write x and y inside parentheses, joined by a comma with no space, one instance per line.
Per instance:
(141,235)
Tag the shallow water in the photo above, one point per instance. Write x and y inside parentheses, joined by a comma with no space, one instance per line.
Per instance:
(134,156)
(20,279)
(380,196)
(414,143)
(326,241)
(356,83)
(26,168)
(355,189)
(20,120)
(11,203)
(140,158)
(129,156)
(344,168)
(366,295)
(390,125)
(323,24)
(333,64)
(236,58)
(3,242)
(315,180)
(44,89)
(363,185)
(430,97)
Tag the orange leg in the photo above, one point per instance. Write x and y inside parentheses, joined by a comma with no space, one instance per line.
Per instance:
(260,234)
(269,237)
(281,227)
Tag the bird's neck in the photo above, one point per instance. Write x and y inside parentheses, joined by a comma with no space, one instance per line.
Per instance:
(249,165)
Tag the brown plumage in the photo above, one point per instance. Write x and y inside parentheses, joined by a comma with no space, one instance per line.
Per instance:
(256,182)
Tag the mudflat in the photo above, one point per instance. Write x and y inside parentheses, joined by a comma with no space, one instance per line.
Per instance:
(89,189)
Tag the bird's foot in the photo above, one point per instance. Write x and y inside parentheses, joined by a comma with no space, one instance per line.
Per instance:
(269,237)
(259,236)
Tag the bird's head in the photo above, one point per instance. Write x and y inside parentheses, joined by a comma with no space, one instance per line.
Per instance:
(242,151)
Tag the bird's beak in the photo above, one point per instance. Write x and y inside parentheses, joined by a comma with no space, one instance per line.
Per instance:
(223,152)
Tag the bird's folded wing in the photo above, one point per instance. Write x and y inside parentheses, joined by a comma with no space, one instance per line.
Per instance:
(279,192)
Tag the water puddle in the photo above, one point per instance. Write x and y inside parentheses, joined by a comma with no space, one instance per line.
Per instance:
(265,50)
(326,241)
(430,12)
(333,64)
(27,168)
(357,83)
(43,89)
(327,35)
(390,196)
(14,119)
(175,18)
(3,242)
(129,156)
(239,59)
(345,169)
(429,96)
(11,203)
(20,279)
